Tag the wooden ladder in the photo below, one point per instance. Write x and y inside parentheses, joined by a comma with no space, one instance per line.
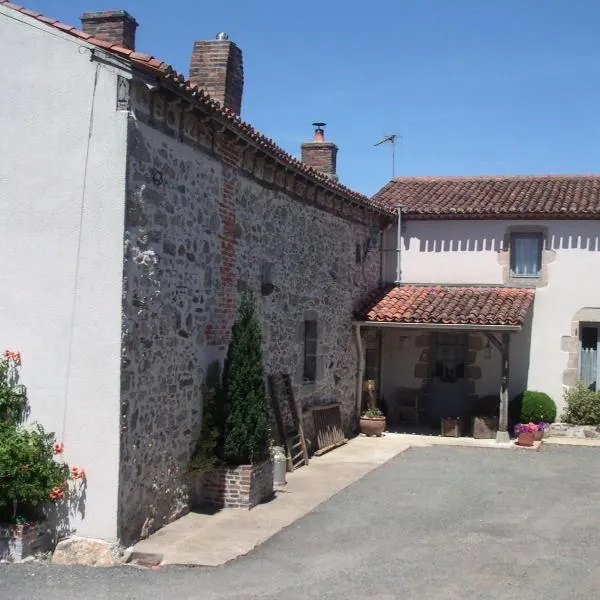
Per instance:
(289,425)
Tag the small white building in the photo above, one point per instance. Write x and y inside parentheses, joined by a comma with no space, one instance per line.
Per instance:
(483,265)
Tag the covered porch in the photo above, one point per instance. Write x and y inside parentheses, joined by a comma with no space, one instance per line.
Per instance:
(439,357)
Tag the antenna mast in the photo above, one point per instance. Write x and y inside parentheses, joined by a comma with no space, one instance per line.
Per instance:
(392,140)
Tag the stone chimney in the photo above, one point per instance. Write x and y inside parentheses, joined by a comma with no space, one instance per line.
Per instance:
(216,66)
(112,26)
(319,154)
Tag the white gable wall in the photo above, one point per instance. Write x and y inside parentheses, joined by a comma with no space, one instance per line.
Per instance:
(61,229)
(464,251)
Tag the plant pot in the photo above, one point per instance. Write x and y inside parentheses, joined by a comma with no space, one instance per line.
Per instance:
(526,438)
(485,428)
(372,425)
(19,541)
(451,427)
(538,435)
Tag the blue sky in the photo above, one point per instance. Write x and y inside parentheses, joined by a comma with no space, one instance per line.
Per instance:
(472,86)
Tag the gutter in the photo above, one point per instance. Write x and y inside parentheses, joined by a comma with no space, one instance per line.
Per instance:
(439,326)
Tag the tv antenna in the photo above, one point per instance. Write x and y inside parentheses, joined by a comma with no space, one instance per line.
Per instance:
(392,140)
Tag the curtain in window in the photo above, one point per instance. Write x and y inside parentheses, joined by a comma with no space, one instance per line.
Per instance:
(526,261)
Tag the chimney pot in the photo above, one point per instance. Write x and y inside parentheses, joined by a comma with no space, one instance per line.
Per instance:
(217,67)
(319,154)
(112,26)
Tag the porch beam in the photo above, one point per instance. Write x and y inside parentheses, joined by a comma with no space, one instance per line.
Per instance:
(440,326)
(503,436)
(495,341)
(360,368)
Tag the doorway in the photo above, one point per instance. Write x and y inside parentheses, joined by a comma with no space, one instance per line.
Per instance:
(589,355)
(448,388)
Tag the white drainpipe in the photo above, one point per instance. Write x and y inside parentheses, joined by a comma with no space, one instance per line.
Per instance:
(399,247)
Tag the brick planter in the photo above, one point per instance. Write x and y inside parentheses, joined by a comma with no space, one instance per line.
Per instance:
(238,487)
(19,541)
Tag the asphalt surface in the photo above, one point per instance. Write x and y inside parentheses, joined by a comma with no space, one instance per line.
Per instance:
(438,522)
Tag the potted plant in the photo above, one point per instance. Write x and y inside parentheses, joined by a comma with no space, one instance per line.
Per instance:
(372,421)
(525,433)
(32,475)
(245,476)
(540,429)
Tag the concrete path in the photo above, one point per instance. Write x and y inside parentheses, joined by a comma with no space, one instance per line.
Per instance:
(435,523)
(212,540)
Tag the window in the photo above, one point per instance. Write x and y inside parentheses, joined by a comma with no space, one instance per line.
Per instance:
(310,352)
(588,359)
(449,357)
(525,254)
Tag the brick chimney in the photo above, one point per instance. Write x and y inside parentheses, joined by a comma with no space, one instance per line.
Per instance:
(319,154)
(112,26)
(216,66)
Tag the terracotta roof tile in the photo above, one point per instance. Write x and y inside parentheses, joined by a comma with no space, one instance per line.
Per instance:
(449,305)
(517,196)
(167,73)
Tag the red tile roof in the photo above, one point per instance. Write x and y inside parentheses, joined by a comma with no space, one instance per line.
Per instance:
(495,197)
(167,73)
(449,305)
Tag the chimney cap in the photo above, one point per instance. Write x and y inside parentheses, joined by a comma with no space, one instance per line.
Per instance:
(222,36)
(319,125)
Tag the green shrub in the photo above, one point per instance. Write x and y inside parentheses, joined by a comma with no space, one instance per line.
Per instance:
(246,435)
(29,474)
(206,454)
(531,406)
(582,406)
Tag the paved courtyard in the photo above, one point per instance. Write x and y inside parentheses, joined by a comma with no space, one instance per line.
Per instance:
(435,522)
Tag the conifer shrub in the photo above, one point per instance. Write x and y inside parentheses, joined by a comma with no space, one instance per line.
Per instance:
(246,433)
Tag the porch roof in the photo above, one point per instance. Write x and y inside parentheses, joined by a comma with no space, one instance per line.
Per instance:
(469,307)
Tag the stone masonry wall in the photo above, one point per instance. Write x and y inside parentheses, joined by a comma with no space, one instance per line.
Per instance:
(203,224)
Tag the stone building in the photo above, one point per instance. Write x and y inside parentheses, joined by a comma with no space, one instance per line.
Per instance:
(138,205)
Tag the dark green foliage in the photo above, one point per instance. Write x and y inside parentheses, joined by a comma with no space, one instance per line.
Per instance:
(532,407)
(13,397)
(246,435)
(583,406)
(28,471)
(206,454)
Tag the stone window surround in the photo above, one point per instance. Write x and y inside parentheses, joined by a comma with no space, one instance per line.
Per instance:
(572,344)
(547,256)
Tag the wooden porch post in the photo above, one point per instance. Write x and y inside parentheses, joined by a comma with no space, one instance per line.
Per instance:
(360,369)
(503,347)
(503,435)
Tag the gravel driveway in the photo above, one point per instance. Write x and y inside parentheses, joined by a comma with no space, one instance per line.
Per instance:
(438,522)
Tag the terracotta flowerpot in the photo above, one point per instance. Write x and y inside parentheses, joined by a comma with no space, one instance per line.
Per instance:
(526,438)
(372,425)
(538,435)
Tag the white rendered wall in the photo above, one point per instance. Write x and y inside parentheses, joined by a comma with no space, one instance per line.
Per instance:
(62,246)
(467,252)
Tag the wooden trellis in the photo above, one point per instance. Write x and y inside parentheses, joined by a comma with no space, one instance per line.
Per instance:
(328,425)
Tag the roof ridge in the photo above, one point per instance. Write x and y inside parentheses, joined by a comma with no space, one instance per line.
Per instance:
(496,177)
(161,68)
